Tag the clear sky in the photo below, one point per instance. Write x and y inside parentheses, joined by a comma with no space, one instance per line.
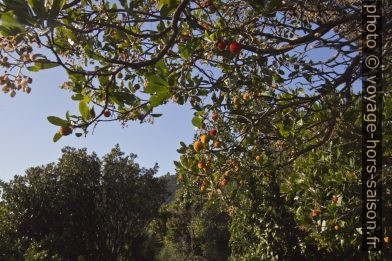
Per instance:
(26,135)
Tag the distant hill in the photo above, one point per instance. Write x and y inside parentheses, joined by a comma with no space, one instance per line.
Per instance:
(171,186)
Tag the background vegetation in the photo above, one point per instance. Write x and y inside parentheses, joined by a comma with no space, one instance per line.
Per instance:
(274,172)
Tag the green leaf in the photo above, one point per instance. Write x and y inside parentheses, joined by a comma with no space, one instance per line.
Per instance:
(161,66)
(277,78)
(84,111)
(116,101)
(283,131)
(184,51)
(124,97)
(167,6)
(40,65)
(184,161)
(21,10)
(78,134)
(92,112)
(197,122)
(32,68)
(162,3)
(181,150)
(38,7)
(56,137)
(15,5)
(159,98)
(56,8)
(77,97)
(7,32)
(57,121)
(164,10)
(156,84)
(156,115)
(265,157)
(9,24)
(177,164)
(103,80)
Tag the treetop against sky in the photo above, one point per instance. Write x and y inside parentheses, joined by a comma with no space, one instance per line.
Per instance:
(246,60)
(271,86)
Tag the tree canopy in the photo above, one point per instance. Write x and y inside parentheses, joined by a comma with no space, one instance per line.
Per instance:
(275,89)
(80,207)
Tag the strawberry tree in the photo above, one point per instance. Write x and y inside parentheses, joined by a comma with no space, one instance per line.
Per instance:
(272,84)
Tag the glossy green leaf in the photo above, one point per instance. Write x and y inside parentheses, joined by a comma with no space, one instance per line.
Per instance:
(124,97)
(57,121)
(156,84)
(9,24)
(41,65)
(92,112)
(177,164)
(197,122)
(77,97)
(159,98)
(21,10)
(84,111)
(56,8)
(56,137)
(67,116)
(184,51)
(38,7)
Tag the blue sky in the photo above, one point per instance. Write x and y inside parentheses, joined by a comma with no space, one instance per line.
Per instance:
(26,135)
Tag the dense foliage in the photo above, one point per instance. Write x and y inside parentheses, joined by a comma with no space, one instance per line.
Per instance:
(80,207)
(274,86)
(191,229)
